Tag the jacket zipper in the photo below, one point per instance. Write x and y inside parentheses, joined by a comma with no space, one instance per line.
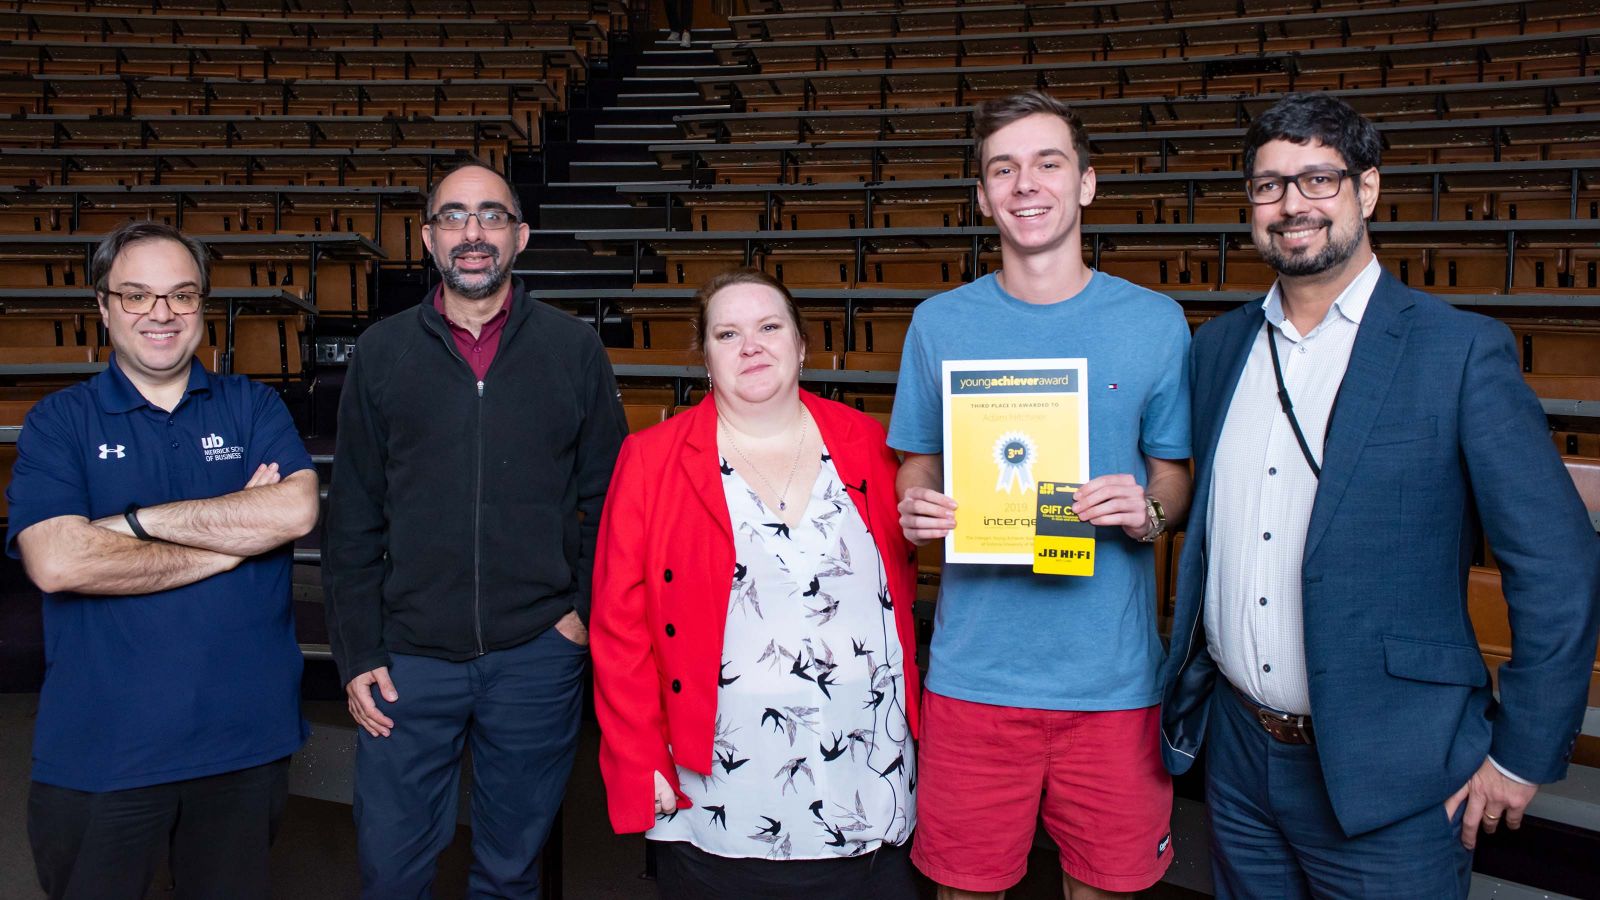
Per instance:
(477,529)
(477,496)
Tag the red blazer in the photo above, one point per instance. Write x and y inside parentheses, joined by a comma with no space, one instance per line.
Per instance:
(663,570)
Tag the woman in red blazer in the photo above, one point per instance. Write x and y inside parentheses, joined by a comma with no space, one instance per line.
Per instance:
(752,634)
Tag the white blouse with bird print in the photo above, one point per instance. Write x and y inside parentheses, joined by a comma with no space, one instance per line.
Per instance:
(813,756)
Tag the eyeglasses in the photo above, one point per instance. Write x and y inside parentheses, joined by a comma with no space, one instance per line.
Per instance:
(456,219)
(1317,184)
(137,303)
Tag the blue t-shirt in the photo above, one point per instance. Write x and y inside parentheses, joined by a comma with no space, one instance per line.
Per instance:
(194,681)
(1004,635)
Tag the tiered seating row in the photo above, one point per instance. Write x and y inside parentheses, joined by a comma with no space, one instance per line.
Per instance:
(251,166)
(390,217)
(1531,137)
(777,20)
(515,10)
(291,32)
(1468,20)
(1554,55)
(1551,189)
(1476,256)
(1442,101)
(327,270)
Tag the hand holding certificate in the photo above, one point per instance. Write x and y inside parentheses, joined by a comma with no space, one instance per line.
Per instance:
(1009,424)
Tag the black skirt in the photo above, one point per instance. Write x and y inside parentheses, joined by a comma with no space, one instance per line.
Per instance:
(685,872)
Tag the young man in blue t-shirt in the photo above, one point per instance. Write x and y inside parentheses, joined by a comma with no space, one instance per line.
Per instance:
(1043,687)
(154,505)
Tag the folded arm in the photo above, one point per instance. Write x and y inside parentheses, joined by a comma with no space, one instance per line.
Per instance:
(71,554)
(264,516)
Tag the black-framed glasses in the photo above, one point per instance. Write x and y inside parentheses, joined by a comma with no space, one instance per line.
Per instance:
(456,219)
(1317,184)
(137,303)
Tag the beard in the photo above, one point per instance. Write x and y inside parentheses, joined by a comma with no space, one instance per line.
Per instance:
(475,285)
(1335,252)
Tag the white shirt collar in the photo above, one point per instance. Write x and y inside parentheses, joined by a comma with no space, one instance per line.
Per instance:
(1351,302)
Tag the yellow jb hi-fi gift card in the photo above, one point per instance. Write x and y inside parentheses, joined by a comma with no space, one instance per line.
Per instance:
(1008,425)
(1063,544)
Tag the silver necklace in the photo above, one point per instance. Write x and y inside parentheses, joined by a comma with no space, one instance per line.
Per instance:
(783,498)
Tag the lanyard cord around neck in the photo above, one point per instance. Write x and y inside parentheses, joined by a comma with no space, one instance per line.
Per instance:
(1288,405)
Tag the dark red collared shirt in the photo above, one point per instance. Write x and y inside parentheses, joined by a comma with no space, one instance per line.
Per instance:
(477,351)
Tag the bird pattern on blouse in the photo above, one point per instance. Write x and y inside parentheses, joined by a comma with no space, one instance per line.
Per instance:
(812,754)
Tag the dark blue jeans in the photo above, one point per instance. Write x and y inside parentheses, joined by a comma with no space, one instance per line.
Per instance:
(518,710)
(1274,834)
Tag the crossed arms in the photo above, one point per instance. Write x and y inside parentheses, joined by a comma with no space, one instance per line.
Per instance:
(192,539)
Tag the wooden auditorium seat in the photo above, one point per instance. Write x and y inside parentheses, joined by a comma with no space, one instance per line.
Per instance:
(881,330)
(863,360)
(643,416)
(46,355)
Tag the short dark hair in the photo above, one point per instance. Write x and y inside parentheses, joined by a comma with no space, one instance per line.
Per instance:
(730,278)
(993,115)
(1301,118)
(135,231)
(433,192)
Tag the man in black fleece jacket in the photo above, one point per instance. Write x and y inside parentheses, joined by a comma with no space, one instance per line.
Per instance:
(477,433)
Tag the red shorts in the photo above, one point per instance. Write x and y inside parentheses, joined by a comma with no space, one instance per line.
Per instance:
(983,771)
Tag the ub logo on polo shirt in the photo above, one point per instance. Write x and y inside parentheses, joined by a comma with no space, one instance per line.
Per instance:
(216,448)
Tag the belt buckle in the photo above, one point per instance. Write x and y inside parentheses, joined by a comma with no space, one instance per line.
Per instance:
(1284,727)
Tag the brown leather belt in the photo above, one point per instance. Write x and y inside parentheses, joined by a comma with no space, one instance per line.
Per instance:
(1283,727)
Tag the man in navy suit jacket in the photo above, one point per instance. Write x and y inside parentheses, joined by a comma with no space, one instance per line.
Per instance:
(1353,440)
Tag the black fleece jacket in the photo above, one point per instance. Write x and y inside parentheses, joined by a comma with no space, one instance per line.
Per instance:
(462,515)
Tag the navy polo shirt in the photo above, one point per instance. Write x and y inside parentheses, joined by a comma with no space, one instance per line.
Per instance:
(194,681)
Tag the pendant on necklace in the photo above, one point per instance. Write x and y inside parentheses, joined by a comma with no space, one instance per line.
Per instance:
(783,505)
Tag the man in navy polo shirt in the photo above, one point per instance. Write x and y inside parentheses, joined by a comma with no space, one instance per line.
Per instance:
(154,505)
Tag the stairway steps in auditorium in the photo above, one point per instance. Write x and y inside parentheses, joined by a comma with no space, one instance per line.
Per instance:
(673,55)
(690,71)
(644,97)
(624,150)
(674,111)
(635,84)
(608,147)
(653,133)
(575,193)
(591,216)
(615,172)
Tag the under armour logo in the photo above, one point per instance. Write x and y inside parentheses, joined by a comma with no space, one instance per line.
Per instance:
(108,452)
(212,442)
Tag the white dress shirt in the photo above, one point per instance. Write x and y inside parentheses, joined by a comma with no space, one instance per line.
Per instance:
(1262,490)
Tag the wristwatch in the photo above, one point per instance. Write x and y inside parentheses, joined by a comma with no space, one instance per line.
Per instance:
(1157,517)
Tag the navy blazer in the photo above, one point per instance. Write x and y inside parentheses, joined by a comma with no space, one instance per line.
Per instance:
(1435,439)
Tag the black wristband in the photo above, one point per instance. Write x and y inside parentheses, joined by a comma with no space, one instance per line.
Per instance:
(131,516)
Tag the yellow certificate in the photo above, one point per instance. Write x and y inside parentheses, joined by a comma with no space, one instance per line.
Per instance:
(1009,424)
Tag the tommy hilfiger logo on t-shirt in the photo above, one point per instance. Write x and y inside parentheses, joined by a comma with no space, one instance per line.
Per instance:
(217,450)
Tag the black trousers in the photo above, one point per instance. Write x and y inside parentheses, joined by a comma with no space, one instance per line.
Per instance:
(107,846)
(680,14)
(685,872)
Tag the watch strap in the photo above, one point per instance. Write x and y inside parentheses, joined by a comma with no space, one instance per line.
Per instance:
(131,516)
(1157,517)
